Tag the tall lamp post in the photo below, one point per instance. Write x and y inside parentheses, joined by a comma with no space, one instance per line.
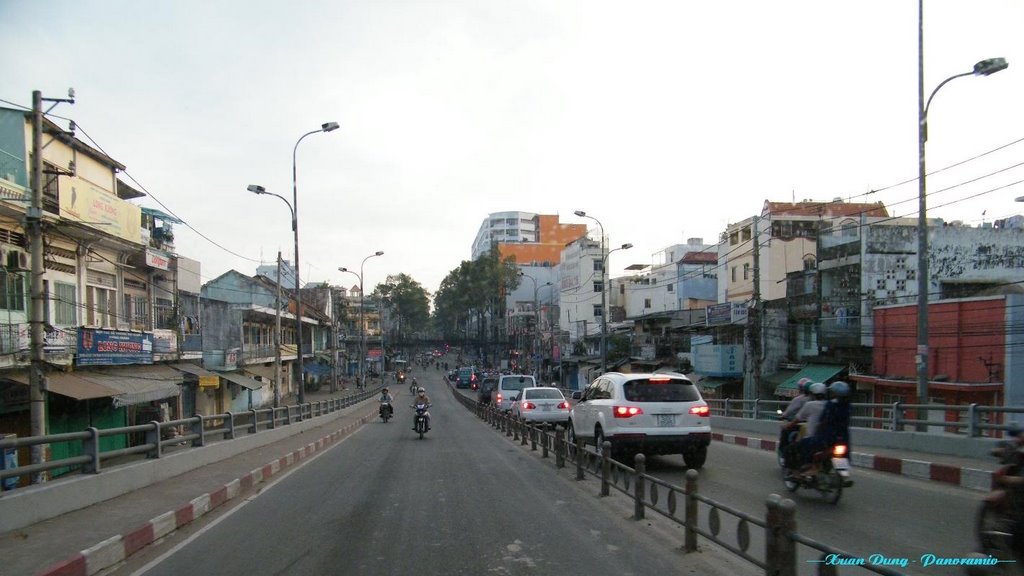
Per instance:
(604,354)
(362,326)
(606,286)
(983,68)
(356,274)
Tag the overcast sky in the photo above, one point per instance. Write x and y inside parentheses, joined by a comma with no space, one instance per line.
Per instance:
(665,120)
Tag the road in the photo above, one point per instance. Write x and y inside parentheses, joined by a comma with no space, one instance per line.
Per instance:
(464,500)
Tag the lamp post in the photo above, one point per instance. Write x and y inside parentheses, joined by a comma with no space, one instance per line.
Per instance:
(982,68)
(604,354)
(257,189)
(362,327)
(604,312)
(536,312)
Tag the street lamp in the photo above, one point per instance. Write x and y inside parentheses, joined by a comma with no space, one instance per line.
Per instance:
(257,189)
(362,327)
(604,312)
(983,68)
(356,274)
(536,313)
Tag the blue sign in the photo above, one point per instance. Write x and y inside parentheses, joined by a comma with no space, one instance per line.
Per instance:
(111,347)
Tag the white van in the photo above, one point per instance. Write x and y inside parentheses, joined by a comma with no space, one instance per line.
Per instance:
(508,388)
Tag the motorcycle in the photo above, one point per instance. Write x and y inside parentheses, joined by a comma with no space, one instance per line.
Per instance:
(999,520)
(386,411)
(420,420)
(829,473)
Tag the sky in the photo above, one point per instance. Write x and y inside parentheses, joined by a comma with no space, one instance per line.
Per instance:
(663,120)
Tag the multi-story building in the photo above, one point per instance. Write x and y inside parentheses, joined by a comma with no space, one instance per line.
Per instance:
(532,239)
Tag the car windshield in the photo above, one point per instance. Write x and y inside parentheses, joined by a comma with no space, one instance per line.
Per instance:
(660,391)
(517,382)
(543,394)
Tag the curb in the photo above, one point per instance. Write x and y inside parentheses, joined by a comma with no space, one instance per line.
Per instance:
(117,548)
(970,478)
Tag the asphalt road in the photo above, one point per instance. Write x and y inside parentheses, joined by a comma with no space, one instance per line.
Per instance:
(464,500)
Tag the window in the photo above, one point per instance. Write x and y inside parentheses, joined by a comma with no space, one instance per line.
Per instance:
(12,291)
(647,302)
(746,271)
(597,286)
(810,263)
(598,265)
(746,233)
(734,238)
(101,307)
(65,299)
(597,310)
(734,273)
(137,310)
(669,286)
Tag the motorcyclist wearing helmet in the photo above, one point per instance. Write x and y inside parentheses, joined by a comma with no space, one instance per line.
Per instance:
(386,399)
(810,414)
(788,430)
(421,398)
(831,424)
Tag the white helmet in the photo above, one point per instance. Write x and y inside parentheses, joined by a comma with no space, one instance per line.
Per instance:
(818,389)
(421,390)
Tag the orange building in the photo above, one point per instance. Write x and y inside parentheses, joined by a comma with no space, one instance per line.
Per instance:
(537,240)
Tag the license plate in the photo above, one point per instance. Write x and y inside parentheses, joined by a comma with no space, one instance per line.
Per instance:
(841,464)
(666,420)
(546,408)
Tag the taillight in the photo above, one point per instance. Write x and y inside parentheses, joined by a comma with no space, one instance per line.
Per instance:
(527,406)
(839,451)
(626,411)
(563,406)
(498,397)
(700,411)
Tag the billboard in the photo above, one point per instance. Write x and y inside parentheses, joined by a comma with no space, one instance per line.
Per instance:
(98,347)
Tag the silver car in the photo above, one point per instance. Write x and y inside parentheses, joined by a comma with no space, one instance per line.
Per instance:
(509,386)
(542,406)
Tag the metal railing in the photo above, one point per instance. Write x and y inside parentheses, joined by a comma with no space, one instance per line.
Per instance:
(971,419)
(697,515)
(170,436)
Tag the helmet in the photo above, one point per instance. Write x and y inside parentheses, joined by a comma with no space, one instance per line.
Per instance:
(421,390)
(839,389)
(385,389)
(801,385)
(817,389)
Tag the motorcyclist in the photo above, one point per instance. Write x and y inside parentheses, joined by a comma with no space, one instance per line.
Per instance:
(421,398)
(809,414)
(386,400)
(788,430)
(830,426)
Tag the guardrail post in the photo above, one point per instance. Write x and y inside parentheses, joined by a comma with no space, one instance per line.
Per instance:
(559,449)
(526,431)
(153,438)
(972,420)
(640,488)
(690,526)
(507,419)
(757,405)
(533,438)
(255,421)
(91,446)
(199,429)
(273,418)
(229,434)
(780,549)
(896,416)
(605,468)
(516,425)
(726,408)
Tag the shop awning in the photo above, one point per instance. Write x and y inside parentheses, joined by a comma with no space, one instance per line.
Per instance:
(816,372)
(193,369)
(241,379)
(69,385)
(137,384)
(265,372)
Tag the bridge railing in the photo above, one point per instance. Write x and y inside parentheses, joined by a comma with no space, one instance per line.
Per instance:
(160,438)
(697,515)
(971,420)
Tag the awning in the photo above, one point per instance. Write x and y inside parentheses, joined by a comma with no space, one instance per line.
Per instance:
(193,369)
(241,380)
(137,384)
(816,372)
(161,215)
(265,372)
(69,385)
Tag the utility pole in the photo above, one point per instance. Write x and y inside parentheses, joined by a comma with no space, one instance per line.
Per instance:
(33,226)
(277,337)
(755,322)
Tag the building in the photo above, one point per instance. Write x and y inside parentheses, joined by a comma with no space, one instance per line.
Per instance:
(532,239)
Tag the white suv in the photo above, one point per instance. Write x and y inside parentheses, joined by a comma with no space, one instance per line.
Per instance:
(649,413)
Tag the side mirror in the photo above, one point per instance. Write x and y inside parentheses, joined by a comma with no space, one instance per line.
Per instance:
(577,395)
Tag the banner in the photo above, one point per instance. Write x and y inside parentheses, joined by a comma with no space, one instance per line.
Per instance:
(97,347)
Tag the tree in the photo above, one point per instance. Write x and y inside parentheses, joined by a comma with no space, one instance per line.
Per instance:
(408,302)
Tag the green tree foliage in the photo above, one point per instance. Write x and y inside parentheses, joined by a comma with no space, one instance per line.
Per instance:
(407,304)
(476,289)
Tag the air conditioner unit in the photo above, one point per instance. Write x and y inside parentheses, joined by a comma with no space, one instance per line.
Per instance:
(17,260)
